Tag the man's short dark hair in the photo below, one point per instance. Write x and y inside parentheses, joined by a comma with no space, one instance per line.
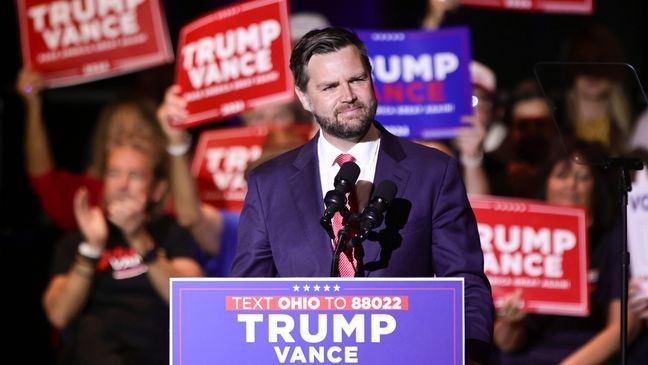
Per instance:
(322,41)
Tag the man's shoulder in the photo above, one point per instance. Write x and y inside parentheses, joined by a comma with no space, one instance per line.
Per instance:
(414,151)
(280,164)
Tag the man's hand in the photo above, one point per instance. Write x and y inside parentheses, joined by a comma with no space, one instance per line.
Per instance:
(91,220)
(470,139)
(511,310)
(173,108)
(128,212)
(29,84)
(637,299)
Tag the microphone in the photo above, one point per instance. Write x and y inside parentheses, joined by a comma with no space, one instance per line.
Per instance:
(373,213)
(345,180)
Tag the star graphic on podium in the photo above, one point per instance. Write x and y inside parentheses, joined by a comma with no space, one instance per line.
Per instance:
(296,287)
(336,287)
(327,287)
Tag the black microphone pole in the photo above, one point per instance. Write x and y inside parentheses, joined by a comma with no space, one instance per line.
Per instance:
(623,166)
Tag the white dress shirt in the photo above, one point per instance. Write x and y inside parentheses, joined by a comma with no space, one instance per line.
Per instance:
(366,157)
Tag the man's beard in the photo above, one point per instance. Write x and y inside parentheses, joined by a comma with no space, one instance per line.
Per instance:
(348,130)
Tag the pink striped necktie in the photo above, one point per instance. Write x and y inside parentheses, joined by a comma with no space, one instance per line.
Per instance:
(347,261)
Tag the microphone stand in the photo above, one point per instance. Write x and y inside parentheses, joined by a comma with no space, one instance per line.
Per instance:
(349,239)
(341,242)
(339,248)
(623,167)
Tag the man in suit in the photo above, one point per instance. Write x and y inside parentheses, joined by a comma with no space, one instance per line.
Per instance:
(433,233)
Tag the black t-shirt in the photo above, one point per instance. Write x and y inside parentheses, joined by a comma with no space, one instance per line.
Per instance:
(125,321)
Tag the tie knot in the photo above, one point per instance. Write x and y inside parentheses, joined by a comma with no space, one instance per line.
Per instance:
(344,158)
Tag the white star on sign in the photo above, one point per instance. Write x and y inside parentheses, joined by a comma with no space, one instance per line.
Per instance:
(327,287)
(296,287)
(336,288)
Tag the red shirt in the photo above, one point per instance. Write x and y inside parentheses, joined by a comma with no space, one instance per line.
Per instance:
(55,190)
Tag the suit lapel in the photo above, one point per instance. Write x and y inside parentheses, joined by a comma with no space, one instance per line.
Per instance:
(306,191)
(387,168)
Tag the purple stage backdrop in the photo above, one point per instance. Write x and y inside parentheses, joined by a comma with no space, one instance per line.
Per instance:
(317,321)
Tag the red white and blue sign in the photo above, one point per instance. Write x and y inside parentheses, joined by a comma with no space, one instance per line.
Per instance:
(317,321)
(422,80)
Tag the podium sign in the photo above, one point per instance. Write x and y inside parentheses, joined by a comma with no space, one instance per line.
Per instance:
(317,321)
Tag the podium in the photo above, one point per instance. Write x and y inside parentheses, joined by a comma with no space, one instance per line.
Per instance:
(317,321)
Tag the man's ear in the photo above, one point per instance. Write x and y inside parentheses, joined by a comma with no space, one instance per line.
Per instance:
(303,99)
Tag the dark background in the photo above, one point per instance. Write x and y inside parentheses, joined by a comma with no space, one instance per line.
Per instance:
(509,42)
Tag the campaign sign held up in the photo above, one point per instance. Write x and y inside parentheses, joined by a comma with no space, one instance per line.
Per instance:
(546,6)
(222,157)
(422,80)
(317,321)
(235,59)
(71,42)
(538,248)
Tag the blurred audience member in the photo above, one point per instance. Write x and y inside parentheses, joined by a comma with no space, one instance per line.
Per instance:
(514,167)
(214,230)
(596,107)
(126,118)
(436,11)
(468,145)
(484,92)
(570,178)
(109,290)
(278,114)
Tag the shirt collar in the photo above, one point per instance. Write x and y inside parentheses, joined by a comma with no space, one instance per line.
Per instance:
(363,152)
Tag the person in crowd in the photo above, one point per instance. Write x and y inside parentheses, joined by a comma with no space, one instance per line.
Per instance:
(435,11)
(280,232)
(570,177)
(484,83)
(514,167)
(470,142)
(278,114)
(55,187)
(214,230)
(596,107)
(109,290)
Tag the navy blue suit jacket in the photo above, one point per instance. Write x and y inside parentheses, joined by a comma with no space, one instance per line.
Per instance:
(280,232)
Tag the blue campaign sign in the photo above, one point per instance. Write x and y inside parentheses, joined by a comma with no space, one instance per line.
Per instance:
(317,321)
(422,80)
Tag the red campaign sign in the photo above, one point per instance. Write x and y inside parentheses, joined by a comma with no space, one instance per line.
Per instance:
(71,42)
(538,248)
(235,59)
(222,157)
(545,6)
